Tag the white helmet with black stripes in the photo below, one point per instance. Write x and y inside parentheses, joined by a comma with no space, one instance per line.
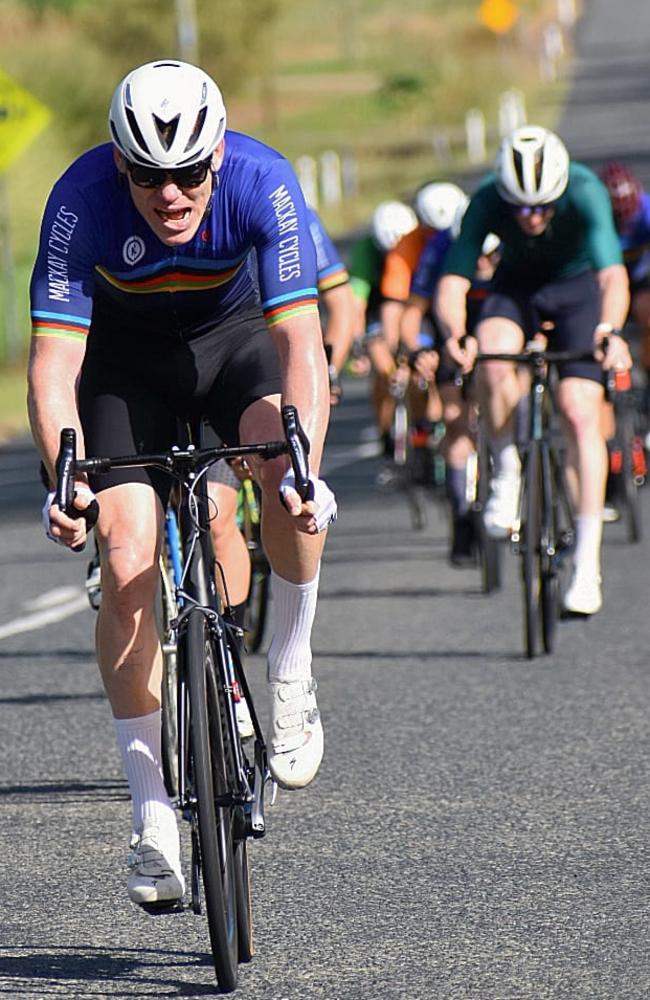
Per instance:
(532,166)
(167,114)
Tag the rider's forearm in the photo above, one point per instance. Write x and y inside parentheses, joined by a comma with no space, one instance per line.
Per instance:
(450,305)
(52,398)
(411,322)
(614,296)
(304,380)
(340,323)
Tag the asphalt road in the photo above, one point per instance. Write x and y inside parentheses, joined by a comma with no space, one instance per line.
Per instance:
(479,828)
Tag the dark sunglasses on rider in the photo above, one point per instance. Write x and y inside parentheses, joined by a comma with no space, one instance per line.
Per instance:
(525,211)
(183,177)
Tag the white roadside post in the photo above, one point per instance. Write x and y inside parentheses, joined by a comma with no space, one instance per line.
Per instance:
(306,171)
(475,136)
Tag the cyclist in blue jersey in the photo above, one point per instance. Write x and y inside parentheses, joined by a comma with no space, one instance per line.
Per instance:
(631,207)
(145,309)
(336,301)
(561,262)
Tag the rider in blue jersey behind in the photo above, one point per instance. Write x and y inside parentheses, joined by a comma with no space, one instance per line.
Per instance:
(631,208)
(145,308)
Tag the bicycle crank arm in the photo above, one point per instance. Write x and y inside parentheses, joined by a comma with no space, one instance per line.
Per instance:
(258,825)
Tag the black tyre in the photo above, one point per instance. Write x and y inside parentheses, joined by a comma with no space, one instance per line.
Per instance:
(549,606)
(490,550)
(626,430)
(244,904)
(490,555)
(257,604)
(529,543)
(549,596)
(209,779)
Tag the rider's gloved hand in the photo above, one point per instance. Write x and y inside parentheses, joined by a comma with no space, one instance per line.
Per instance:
(65,530)
(336,390)
(616,354)
(319,509)
(462,352)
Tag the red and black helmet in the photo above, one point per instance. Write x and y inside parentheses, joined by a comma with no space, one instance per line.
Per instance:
(625,190)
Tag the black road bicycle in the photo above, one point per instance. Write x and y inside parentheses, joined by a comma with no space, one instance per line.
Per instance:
(221,780)
(628,467)
(544,531)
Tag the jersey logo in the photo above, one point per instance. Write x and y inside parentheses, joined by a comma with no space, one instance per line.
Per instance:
(133,250)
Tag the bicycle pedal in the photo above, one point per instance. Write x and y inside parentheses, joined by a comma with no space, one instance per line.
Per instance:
(163,908)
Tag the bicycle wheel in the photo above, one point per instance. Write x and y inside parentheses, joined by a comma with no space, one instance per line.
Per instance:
(530,544)
(257,602)
(169,706)
(244,904)
(214,819)
(626,433)
(490,550)
(549,595)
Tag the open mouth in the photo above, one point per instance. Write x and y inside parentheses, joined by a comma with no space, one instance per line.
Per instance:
(178,215)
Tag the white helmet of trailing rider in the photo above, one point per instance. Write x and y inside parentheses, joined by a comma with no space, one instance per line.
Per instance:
(436,204)
(491,241)
(390,221)
(167,114)
(532,166)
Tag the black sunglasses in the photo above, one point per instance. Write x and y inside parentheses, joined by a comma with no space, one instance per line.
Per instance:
(183,177)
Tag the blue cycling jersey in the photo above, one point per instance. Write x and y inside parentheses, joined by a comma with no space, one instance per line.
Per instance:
(635,242)
(97,251)
(429,266)
(332,272)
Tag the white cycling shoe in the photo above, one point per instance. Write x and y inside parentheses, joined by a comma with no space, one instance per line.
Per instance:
(584,596)
(295,741)
(155,872)
(500,511)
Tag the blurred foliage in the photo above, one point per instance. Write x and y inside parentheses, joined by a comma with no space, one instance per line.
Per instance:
(385,85)
(72,53)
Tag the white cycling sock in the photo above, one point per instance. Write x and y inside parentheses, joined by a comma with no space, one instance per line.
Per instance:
(140,746)
(294,607)
(506,456)
(589,533)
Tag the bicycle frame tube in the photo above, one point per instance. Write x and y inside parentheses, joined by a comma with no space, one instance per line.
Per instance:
(537,396)
(173,540)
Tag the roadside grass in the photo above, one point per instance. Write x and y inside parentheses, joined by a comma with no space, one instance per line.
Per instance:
(13,405)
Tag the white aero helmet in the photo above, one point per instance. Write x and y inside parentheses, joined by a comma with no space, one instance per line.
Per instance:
(390,221)
(532,166)
(437,204)
(167,114)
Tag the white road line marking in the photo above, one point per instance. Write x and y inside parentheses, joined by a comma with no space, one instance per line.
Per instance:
(39,619)
(52,598)
(338,459)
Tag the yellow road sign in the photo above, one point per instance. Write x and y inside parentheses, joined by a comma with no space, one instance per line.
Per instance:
(22,117)
(498,15)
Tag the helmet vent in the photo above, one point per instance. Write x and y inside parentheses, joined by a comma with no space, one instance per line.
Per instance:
(198,126)
(167,130)
(135,130)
